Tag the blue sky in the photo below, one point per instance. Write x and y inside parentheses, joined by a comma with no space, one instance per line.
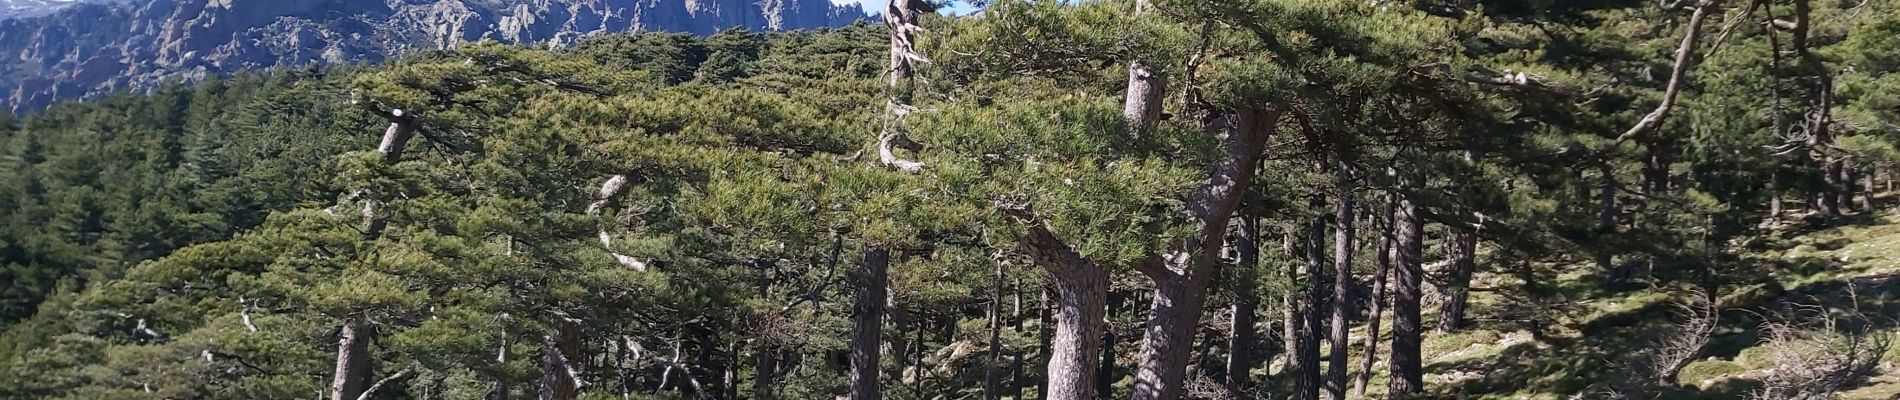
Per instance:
(877,6)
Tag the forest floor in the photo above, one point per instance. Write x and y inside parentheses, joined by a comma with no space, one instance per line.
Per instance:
(1584,335)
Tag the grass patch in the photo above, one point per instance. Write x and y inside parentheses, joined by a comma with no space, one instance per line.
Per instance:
(1461,345)
(1706,372)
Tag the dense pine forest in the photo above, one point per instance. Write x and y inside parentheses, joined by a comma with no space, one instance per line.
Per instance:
(1147,199)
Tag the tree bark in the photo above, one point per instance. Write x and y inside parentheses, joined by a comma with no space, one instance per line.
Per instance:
(1082,288)
(353,361)
(1464,247)
(1384,262)
(1406,372)
(1607,212)
(1141,105)
(1045,335)
(1834,196)
(1685,54)
(1240,344)
(992,379)
(559,380)
(1181,277)
(868,322)
(1290,304)
(1342,281)
(1307,384)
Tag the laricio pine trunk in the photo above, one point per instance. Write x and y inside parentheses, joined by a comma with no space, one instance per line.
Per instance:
(867,322)
(402,127)
(559,380)
(1457,291)
(1774,198)
(1290,304)
(1105,371)
(992,376)
(1181,277)
(1607,213)
(1307,384)
(1867,187)
(1082,300)
(352,361)
(1834,196)
(1044,337)
(1383,259)
(1406,372)
(1146,87)
(1342,282)
(1240,344)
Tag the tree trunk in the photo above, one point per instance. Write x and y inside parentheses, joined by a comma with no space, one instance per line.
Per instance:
(1406,372)
(1835,195)
(1290,305)
(1142,104)
(1241,343)
(1464,247)
(1105,365)
(867,322)
(992,379)
(1018,382)
(559,381)
(764,370)
(353,361)
(402,127)
(1867,187)
(1181,277)
(1342,282)
(1082,288)
(1308,384)
(1774,198)
(1044,335)
(1607,212)
(1384,263)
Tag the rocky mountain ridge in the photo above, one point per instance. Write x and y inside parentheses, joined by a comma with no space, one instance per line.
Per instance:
(86,49)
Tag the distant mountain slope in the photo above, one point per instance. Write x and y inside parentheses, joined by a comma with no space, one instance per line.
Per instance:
(85,49)
(33,8)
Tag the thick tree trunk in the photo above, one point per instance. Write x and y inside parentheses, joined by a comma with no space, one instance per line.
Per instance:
(1082,288)
(1181,277)
(1384,264)
(1307,384)
(559,380)
(353,361)
(1457,292)
(1406,372)
(1045,335)
(1240,344)
(867,322)
(1342,282)
(1146,87)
